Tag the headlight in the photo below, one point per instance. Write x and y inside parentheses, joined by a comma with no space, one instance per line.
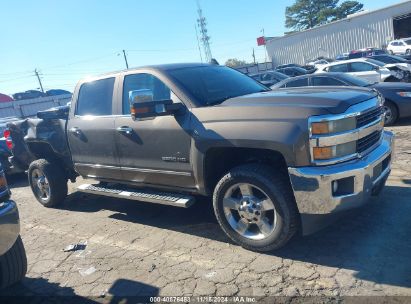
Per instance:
(338,151)
(404,94)
(333,126)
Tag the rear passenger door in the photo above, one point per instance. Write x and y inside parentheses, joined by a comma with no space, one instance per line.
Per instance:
(91,131)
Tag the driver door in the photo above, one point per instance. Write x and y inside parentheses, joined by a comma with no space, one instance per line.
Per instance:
(156,150)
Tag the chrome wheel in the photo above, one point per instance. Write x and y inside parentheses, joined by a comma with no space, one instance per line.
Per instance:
(40,184)
(249,211)
(388,117)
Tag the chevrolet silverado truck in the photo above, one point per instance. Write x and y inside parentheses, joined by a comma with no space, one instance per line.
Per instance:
(13,260)
(274,162)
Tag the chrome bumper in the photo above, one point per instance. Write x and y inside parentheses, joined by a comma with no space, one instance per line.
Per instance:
(9,225)
(361,178)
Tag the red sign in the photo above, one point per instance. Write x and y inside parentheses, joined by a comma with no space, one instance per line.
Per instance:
(261,40)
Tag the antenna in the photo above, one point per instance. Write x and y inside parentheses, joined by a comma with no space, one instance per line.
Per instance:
(205,39)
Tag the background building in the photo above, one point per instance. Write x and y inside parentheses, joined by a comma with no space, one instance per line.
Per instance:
(365,29)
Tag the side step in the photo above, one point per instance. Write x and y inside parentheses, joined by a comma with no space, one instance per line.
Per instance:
(164,198)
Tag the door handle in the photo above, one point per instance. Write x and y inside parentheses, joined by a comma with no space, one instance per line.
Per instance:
(125,130)
(76,131)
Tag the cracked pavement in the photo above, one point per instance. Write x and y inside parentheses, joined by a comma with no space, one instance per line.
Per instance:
(146,249)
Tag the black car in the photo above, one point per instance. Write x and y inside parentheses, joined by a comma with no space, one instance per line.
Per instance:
(30,94)
(293,71)
(57,92)
(397,94)
(289,65)
(13,260)
(269,78)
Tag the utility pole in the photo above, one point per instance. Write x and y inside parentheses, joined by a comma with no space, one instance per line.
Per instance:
(125,58)
(253,56)
(38,78)
(202,24)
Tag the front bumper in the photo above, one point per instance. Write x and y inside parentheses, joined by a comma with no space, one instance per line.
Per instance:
(9,225)
(360,179)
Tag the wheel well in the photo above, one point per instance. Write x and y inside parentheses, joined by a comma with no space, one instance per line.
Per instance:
(42,150)
(219,161)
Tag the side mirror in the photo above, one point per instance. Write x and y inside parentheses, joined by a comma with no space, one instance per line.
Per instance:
(377,68)
(152,109)
(145,95)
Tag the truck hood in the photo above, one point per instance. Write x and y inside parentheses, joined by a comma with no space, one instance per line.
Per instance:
(334,100)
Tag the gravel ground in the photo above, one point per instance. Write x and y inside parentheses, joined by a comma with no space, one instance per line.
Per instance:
(144,249)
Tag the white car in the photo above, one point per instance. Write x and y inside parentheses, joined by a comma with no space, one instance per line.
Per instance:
(401,46)
(366,68)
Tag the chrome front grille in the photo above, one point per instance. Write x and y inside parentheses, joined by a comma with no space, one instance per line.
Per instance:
(365,135)
(368,142)
(369,116)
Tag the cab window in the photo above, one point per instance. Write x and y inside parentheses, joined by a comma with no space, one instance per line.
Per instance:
(96,98)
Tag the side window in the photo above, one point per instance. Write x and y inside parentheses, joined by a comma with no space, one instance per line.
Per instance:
(303,82)
(343,68)
(96,98)
(144,82)
(361,67)
(266,77)
(325,81)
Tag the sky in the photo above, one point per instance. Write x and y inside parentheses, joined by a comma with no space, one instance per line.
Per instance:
(69,40)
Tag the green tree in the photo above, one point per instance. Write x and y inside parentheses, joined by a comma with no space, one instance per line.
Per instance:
(305,14)
(347,8)
(234,62)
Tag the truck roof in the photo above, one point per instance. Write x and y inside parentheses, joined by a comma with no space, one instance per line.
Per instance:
(159,67)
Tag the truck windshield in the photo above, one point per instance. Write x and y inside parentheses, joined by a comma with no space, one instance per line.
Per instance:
(211,85)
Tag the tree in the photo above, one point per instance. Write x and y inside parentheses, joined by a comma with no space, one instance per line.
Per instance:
(234,62)
(347,8)
(305,14)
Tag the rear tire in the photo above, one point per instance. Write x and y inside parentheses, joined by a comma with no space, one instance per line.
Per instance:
(268,188)
(391,113)
(13,264)
(48,182)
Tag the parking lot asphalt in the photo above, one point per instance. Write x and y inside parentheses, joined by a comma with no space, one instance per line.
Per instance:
(131,248)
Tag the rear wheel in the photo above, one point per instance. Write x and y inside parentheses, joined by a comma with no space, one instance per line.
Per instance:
(391,113)
(13,265)
(48,182)
(255,207)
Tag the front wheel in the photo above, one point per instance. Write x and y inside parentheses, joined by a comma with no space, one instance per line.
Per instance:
(48,182)
(391,113)
(256,208)
(13,265)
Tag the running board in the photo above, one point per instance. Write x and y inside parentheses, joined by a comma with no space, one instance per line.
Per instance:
(164,198)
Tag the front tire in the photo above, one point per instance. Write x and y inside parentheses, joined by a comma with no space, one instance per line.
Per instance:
(256,208)
(13,264)
(391,113)
(48,182)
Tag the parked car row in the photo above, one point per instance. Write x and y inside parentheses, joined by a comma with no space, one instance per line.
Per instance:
(31,94)
(397,95)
